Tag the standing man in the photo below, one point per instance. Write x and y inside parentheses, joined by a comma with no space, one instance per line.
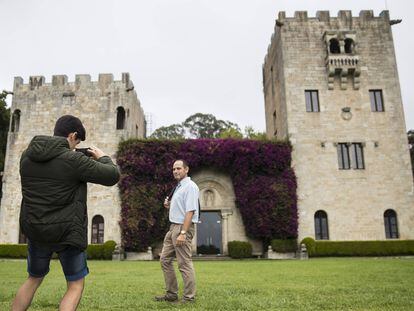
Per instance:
(183,213)
(53,213)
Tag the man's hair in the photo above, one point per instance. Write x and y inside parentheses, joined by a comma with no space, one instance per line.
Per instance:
(185,163)
(69,124)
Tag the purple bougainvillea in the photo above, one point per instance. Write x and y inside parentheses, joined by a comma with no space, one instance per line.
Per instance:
(264,184)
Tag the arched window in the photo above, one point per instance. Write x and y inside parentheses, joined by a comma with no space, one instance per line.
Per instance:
(334,46)
(97,230)
(15,121)
(321,226)
(391,225)
(120,118)
(349,46)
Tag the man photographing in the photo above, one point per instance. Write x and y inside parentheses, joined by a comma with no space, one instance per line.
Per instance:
(183,213)
(53,213)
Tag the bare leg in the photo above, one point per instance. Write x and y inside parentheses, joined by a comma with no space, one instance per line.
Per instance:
(72,297)
(25,294)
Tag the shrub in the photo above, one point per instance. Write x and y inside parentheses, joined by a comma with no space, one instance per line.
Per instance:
(284,246)
(310,245)
(13,250)
(364,248)
(109,247)
(239,249)
(358,248)
(95,251)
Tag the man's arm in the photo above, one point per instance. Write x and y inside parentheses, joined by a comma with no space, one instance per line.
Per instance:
(186,225)
(99,171)
(191,203)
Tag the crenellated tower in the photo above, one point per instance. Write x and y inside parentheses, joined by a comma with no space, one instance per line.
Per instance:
(331,87)
(110,112)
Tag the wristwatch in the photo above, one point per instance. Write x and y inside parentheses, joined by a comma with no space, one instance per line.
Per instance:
(183,232)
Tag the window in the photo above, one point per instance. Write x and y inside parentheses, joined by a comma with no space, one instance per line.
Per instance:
(349,46)
(390,223)
(321,226)
(120,118)
(343,156)
(312,101)
(334,46)
(97,230)
(274,123)
(357,156)
(377,104)
(350,155)
(15,121)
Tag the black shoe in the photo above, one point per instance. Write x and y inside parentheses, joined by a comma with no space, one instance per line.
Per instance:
(166,297)
(188,301)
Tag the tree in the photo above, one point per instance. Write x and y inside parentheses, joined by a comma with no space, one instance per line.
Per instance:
(4,126)
(250,133)
(410,135)
(231,133)
(201,125)
(174,131)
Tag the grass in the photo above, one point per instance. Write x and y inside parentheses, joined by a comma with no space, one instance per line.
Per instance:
(316,284)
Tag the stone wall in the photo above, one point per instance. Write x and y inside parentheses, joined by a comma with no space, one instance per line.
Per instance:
(95,103)
(355,200)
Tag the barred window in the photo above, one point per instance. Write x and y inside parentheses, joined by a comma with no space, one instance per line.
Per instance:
(390,223)
(357,156)
(343,156)
(97,230)
(312,100)
(321,226)
(377,103)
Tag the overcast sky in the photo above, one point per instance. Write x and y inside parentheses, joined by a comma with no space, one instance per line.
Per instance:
(184,56)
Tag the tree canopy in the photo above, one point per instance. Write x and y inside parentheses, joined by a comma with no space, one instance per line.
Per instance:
(202,125)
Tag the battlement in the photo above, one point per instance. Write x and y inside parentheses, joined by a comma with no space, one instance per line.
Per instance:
(344,21)
(105,80)
(345,16)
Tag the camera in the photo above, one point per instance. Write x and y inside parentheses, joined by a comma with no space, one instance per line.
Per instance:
(84,151)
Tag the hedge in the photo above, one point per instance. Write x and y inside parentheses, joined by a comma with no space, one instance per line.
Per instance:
(94,251)
(358,248)
(263,180)
(239,249)
(284,246)
(13,250)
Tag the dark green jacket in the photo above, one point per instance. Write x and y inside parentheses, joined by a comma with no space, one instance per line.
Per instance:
(54,178)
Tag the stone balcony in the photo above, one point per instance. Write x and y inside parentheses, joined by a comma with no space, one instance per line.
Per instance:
(344,66)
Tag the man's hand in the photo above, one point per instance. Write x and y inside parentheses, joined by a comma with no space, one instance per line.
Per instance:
(167,202)
(181,239)
(96,152)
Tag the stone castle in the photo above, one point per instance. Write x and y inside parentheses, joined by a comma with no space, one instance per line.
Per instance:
(331,87)
(110,112)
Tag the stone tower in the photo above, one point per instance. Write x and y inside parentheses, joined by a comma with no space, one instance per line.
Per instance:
(331,88)
(110,112)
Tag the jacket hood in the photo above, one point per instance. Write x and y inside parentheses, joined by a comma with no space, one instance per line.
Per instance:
(45,148)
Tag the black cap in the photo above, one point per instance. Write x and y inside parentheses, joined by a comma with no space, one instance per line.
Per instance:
(69,124)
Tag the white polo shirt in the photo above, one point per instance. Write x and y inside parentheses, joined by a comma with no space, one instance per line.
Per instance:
(184,199)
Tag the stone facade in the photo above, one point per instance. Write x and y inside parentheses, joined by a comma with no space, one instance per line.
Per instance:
(217,194)
(302,57)
(103,106)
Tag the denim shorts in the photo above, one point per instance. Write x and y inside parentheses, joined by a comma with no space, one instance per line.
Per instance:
(72,260)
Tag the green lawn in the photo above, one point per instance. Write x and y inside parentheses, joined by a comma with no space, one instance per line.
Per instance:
(316,284)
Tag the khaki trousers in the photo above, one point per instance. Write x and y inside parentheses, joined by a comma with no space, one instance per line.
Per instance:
(185,264)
